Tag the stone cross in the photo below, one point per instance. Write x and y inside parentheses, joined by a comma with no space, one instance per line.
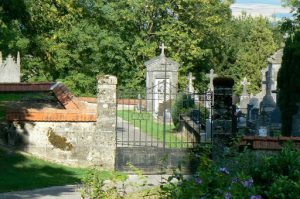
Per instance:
(18,60)
(191,78)
(268,83)
(211,77)
(163,47)
(245,83)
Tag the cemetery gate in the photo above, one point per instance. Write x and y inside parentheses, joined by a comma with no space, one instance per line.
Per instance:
(157,127)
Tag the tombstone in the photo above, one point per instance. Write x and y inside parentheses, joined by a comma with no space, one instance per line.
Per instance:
(191,89)
(10,69)
(267,105)
(210,91)
(244,100)
(296,123)
(211,77)
(161,80)
(208,103)
(275,118)
(274,62)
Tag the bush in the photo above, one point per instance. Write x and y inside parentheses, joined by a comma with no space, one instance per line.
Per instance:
(248,174)
(182,105)
(99,184)
(210,181)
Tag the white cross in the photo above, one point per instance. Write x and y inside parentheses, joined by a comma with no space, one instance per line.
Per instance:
(211,77)
(163,47)
(245,83)
(191,78)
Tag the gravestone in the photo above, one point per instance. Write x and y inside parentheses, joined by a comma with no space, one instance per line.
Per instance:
(161,81)
(211,77)
(208,103)
(244,100)
(296,123)
(275,118)
(191,86)
(209,94)
(10,69)
(274,64)
(267,105)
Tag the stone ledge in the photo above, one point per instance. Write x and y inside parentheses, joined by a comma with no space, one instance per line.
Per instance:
(52,115)
(88,99)
(25,87)
(268,143)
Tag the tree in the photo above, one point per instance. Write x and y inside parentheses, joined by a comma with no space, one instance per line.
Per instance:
(249,43)
(74,40)
(289,83)
(288,77)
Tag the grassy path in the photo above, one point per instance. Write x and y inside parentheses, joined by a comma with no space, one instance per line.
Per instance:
(150,126)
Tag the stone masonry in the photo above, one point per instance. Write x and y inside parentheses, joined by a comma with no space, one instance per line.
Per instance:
(78,132)
(105,135)
(10,69)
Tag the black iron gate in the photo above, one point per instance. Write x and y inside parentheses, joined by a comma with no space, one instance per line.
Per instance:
(158,126)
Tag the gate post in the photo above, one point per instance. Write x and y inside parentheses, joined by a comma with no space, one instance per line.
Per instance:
(105,141)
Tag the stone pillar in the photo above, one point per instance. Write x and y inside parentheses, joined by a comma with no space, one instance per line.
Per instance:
(223,120)
(105,135)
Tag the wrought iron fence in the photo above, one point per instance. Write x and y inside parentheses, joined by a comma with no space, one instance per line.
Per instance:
(161,118)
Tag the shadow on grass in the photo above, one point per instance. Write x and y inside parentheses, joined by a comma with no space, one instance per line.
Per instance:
(22,172)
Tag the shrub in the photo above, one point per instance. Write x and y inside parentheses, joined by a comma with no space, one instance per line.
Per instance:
(246,174)
(182,105)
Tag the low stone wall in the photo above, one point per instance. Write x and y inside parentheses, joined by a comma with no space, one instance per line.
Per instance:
(268,143)
(79,134)
(70,143)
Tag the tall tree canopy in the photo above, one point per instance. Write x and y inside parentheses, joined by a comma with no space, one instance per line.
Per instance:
(250,41)
(288,78)
(74,40)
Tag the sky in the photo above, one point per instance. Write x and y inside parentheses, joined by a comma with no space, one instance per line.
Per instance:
(267,8)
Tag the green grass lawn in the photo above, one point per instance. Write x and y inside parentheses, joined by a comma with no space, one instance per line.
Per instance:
(23,172)
(151,126)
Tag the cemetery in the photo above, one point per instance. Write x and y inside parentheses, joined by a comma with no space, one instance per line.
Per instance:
(99,93)
(118,127)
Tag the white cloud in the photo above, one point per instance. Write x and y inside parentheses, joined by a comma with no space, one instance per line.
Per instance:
(254,9)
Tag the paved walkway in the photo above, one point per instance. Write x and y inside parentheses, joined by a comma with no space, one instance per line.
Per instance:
(73,191)
(129,135)
(59,192)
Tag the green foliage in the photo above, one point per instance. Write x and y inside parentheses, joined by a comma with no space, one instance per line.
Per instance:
(210,181)
(240,175)
(249,42)
(182,106)
(96,185)
(289,83)
(73,41)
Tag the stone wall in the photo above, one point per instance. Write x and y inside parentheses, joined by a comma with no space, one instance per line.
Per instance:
(78,135)
(64,142)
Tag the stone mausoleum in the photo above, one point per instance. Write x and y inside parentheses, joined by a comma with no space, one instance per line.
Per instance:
(161,72)
(10,69)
